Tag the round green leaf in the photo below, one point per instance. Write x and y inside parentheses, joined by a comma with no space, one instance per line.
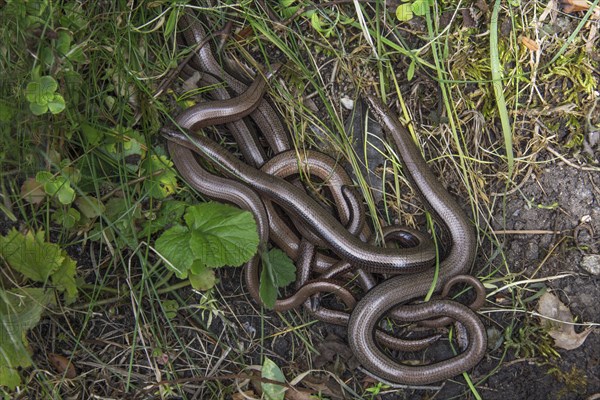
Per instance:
(419,7)
(404,12)
(48,84)
(202,278)
(89,206)
(43,177)
(64,191)
(56,104)
(38,109)
(67,218)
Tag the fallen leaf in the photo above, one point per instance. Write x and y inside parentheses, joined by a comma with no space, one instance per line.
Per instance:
(563,333)
(530,43)
(248,394)
(325,385)
(570,6)
(330,350)
(62,364)
(300,395)
(32,191)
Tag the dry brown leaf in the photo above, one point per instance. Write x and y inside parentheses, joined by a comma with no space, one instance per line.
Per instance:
(62,364)
(248,394)
(530,43)
(32,191)
(563,333)
(570,6)
(299,395)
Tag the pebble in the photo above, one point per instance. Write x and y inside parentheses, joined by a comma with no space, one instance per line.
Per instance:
(591,263)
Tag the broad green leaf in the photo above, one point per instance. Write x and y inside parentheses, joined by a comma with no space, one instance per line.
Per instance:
(216,235)
(161,185)
(64,278)
(170,212)
(56,104)
(19,312)
(271,371)
(63,43)
(278,270)
(404,12)
(38,109)
(30,255)
(174,245)
(267,288)
(411,70)
(10,377)
(67,218)
(202,278)
(282,268)
(221,234)
(90,206)
(43,176)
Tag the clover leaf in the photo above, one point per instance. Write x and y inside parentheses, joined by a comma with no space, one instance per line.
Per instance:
(42,96)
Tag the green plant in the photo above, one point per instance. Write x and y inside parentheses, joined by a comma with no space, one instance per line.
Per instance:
(278,271)
(376,389)
(406,10)
(29,262)
(42,96)
(214,235)
(271,371)
(575,381)
(530,340)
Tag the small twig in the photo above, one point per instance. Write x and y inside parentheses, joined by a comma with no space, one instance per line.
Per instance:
(526,232)
(518,187)
(143,393)
(130,183)
(570,163)
(399,386)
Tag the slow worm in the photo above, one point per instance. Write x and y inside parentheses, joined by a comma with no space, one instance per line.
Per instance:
(391,295)
(396,291)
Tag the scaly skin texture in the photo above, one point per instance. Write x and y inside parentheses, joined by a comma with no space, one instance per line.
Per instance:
(391,294)
(400,289)
(300,204)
